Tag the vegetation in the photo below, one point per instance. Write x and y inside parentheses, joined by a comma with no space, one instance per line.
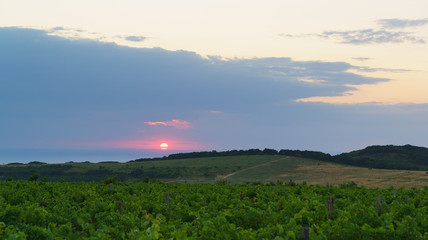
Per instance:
(155,210)
(405,157)
(248,166)
(234,169)
(387,157)
(214,153)
(256,194)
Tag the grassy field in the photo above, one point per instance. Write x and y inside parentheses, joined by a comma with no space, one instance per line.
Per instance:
(245,169)
(317,172)
(236,169)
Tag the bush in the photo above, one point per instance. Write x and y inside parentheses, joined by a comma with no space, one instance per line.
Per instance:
(348,184)
(34,177)
(291,183)
(220,180)
(111,180)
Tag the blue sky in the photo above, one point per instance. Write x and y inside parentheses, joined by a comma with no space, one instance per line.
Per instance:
(75,83)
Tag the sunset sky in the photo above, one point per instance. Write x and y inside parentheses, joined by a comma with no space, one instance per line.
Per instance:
(331,75)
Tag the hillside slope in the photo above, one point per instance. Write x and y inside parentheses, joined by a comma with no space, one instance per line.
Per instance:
(405,157)
(236,169)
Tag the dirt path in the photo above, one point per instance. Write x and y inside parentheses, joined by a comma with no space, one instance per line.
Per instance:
(245,169)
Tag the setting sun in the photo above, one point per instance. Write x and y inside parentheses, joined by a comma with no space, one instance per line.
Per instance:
(164,146)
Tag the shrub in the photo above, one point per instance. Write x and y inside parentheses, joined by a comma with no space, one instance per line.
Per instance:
(34,177)
(220,180)
(111,180)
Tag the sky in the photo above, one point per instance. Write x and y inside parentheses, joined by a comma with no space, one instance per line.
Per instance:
(331,76)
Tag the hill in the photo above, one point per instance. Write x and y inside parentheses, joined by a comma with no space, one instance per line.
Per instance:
(405,157)
(235,169)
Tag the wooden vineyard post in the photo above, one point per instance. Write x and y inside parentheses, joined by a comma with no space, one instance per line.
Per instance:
(378,206)
(39,202)
(393,193)
(305,233)
(406,200)
(330,201)
(205,202)
(167,199)
(121,207)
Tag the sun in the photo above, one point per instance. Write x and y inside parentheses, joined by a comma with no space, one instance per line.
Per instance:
(164,146)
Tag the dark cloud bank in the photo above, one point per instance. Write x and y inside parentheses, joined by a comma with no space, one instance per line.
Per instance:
(57,92)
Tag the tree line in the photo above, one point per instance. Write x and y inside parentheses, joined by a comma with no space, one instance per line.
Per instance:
(405,157)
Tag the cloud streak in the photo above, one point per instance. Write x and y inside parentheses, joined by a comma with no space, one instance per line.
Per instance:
(135,38)
(386,34)
(361,58)
(402,23)
(371,36)
(178,124)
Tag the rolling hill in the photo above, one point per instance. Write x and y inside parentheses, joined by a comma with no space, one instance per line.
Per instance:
(405,157)
(247,167)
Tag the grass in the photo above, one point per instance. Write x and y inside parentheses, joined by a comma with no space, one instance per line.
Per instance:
(236,169)
(318,172)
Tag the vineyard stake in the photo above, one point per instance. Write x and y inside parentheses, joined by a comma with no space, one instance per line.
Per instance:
(167,199)
(407,200)
(305,233)
(121,207)
(378,206)
(330,201)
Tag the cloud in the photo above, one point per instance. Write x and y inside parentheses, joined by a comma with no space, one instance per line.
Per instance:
(80,34)
(76,34)
(56,91)
(135,38)
(370,69)
(287,35)
(309,80)
(156,123)
(331,74)
(371,36)
(402,23)
(215,112)
(361,58)
(179,124)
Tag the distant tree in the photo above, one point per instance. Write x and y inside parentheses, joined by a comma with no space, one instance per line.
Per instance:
(268,151)
(36,162)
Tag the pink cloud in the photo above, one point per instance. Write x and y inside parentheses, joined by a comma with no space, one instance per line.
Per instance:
(216,112)
(179,124)
(156,123)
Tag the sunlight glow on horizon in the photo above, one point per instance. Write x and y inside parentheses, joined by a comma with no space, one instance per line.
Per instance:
(152,144)
(164,146)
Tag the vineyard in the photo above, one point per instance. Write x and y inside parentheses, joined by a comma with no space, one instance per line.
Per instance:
(155,210)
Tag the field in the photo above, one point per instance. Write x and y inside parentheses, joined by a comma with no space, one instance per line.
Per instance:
(318,172)
(236,169)
(156,210)
(263,197)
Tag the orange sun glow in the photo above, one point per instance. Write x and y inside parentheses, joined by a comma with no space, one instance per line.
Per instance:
(164,146)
